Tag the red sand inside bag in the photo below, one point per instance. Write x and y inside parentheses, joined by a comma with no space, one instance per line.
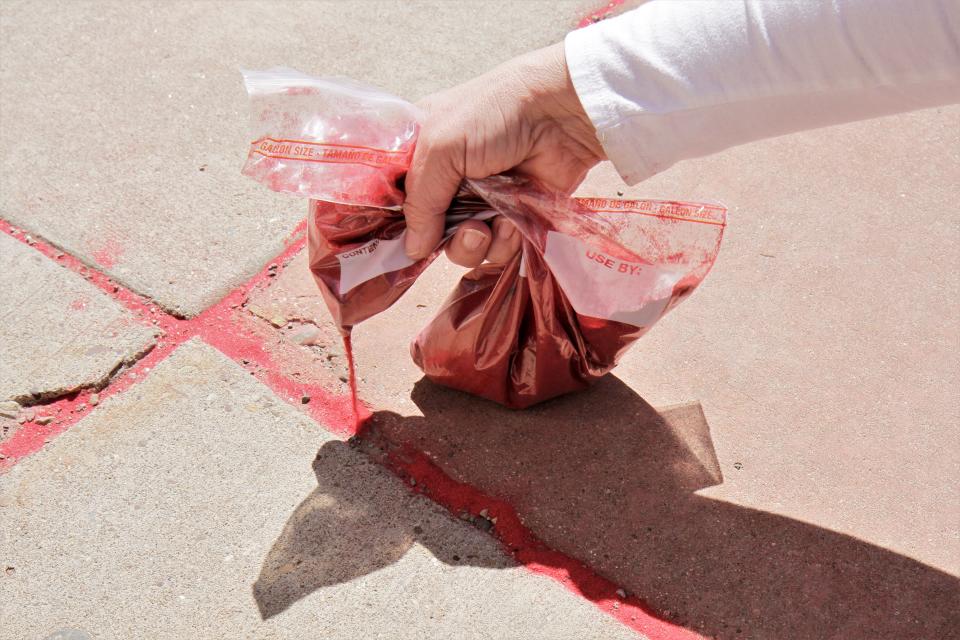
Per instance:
(592,276)
(587,283)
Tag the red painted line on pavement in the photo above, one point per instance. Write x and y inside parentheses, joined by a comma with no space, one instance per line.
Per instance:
(333,411)
(521,543)
(599,14)
(217,325)
(140,306)
(67,411)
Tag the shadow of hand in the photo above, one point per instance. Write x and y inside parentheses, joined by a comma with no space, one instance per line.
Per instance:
(359,519)
(603,477)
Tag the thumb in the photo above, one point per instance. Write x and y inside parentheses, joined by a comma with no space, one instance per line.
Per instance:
(431,183)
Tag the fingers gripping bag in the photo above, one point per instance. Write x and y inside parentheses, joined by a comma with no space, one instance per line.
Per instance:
(592,275)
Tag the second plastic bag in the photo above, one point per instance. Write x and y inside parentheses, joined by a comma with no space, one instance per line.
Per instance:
(592,276)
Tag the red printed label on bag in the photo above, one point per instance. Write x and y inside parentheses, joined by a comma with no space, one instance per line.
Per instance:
(663,209)
(304,150)
(601,286)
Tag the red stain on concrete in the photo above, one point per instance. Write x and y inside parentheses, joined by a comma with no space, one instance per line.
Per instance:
(599,14)
(140,305)
(239,336)
(79,304)
(108,253)
(69,410)
(525,547)
(221,326)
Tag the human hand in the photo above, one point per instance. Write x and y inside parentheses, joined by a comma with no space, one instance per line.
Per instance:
(522,115)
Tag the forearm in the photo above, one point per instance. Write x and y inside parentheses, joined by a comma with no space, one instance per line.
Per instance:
(676,80)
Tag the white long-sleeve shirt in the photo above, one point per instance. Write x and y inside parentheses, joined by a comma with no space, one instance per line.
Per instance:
(677,79)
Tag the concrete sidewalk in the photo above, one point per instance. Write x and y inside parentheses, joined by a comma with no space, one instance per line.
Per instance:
(174,453)
(198,505)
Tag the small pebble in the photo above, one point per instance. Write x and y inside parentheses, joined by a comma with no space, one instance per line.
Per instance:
(413,482)
(94,399)
(621,593)
(483,524)
(304,399)
(484,513)
(9,409)
(44,420)
(307,334)
(620,193)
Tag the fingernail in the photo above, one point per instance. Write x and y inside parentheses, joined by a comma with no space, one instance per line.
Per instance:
(472,239)
(412,245)
(505,230)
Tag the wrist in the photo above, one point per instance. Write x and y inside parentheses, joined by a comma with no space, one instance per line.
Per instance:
(547,93)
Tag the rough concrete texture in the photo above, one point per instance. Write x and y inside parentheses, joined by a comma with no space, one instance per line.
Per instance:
(293,323)
(291,298)
(196,505)
(59,332)
(135,162)
(320,362)
(823,350)
(8,427)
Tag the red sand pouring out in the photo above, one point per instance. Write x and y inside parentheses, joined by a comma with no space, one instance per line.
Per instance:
(348,348)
